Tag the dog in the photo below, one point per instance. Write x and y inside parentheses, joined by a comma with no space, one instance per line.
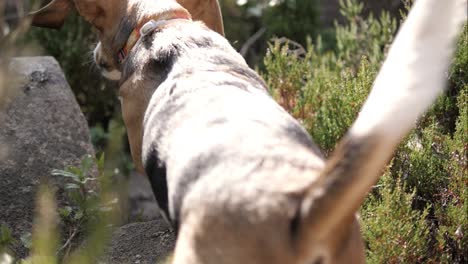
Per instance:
(239,179)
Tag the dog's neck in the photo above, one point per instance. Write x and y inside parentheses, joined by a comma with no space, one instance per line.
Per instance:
(194,46)
(146,26)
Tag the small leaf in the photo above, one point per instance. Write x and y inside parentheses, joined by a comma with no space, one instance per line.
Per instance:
(26,240)
(70,186)
(78,215)
(100,162)
(105,209)
(63,173)
(86,164)
(5,234)
(66,211)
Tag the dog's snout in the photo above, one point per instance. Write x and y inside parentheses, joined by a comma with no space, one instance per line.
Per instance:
(103,65)
(107,69)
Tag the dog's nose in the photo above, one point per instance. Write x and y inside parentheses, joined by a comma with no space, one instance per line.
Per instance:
(100,60)
(103,65)
(106,67)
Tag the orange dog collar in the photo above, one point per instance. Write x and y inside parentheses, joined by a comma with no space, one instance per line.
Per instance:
(147,27)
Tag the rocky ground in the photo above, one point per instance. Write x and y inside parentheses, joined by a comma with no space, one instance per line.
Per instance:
(142,242)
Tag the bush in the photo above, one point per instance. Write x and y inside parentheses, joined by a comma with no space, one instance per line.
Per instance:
(301,17)
(325,88)
(394,232)
(244,19)
(418,213)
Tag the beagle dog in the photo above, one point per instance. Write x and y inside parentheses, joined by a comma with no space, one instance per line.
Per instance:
(239,179)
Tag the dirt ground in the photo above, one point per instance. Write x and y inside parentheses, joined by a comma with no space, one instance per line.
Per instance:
(141,243)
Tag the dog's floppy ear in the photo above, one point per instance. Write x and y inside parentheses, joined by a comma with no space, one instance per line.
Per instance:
(207,11)
(52,15)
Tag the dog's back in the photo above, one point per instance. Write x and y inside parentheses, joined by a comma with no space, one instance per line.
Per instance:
(223,157)
(216,114)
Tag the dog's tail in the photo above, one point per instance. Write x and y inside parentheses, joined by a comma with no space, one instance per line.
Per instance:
(410,79)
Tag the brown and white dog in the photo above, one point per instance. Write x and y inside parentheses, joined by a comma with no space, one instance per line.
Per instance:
(238,177)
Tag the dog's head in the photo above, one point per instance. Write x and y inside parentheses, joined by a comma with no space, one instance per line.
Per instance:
(115,20)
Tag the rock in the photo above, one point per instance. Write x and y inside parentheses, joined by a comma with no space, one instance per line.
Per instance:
(144,243)
(41,128)
(142,204)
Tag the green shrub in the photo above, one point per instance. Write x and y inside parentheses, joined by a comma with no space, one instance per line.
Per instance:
(301,17)
(294,19)
(419,212)
(325,89)
(452,208)
(393,231)
(6,238)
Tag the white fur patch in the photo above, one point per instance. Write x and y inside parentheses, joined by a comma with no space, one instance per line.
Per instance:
(114,75)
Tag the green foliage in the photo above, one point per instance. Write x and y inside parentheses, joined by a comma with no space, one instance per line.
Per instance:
(322,84)
(360,37)
(421,161)
(89,217)
(452,209)
(86,208)
(6,238)
(394,232)
(302,17)
(294,19)
(82,195)
(419,212)
(459,72)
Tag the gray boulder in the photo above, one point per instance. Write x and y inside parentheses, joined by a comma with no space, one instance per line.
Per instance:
(41,128)
(142,204)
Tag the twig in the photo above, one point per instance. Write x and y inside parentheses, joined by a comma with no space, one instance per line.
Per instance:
(294,48)
(70,238)
(245,48)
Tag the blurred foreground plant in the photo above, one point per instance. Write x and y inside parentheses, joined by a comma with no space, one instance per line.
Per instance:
(84,206)
(90,216)
(92,211)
